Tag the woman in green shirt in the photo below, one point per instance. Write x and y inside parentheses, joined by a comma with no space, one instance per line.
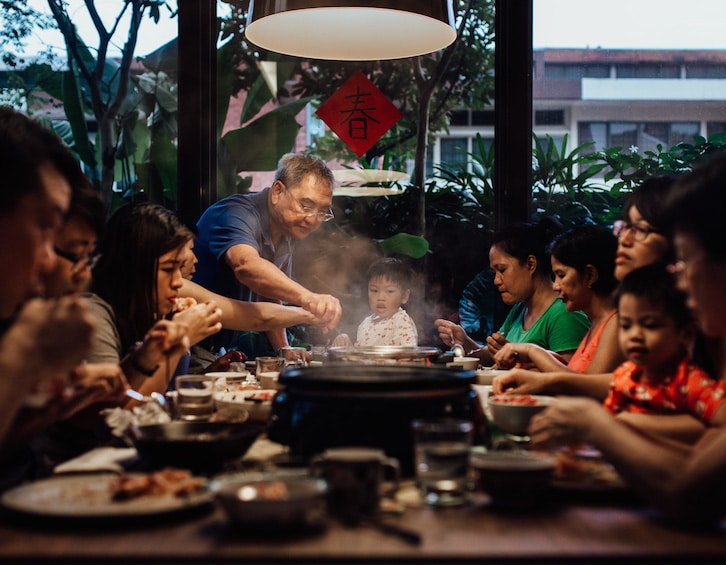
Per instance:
(518,255)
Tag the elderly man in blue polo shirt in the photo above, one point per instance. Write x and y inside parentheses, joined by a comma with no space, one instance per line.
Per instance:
(246,243)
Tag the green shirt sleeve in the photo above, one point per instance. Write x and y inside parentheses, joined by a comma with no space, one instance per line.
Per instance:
(557,329)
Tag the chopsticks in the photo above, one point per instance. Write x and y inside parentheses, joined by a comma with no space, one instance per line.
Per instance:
(409,536)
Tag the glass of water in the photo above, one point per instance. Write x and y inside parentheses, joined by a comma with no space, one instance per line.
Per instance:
(441,450)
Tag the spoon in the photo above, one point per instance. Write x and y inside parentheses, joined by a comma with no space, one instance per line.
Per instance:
(458,350)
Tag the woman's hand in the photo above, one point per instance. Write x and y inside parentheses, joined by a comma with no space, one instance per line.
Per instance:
(519,381)
(568,420)
(512,355)
(451,334)
(495,342)
(202,320)
(164,339)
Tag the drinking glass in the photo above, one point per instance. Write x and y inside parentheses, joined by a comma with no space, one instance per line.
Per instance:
(294,356)
(441,454)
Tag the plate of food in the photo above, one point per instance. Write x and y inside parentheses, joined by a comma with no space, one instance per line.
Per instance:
(258,403)
(584,469)
(108,495)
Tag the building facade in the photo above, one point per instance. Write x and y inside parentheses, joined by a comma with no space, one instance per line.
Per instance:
(624,97)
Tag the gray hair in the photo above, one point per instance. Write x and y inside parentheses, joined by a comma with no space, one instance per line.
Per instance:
(292,168)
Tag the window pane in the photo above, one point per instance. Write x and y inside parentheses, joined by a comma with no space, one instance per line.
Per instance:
(454,149)
(705,71)
(715,127)
(576,71)
(623,134)
(593,131)
(647,70)
(683,132)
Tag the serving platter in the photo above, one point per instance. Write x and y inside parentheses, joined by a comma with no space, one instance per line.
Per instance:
(89,496)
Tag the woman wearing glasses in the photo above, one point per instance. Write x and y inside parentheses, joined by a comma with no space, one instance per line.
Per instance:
(246,243)
(643,234)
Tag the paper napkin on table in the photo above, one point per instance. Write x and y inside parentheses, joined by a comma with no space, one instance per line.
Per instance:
(99,459)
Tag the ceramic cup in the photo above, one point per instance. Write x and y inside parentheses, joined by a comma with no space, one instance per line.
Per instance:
(355,477)
(441,451)
(195,397)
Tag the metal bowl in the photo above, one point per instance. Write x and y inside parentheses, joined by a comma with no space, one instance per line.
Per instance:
(201,446)
(515,480)
(272,503)
(381,354)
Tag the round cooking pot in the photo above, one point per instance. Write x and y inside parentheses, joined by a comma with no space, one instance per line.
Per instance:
(365,405)
(381,354)
(200,446)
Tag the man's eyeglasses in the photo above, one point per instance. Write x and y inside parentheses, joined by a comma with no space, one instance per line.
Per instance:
(309,211)
(640,233)
(80,262)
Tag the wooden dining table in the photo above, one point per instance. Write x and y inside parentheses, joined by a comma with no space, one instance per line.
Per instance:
(573,526)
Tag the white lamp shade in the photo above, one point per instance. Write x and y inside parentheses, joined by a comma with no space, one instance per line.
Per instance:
(351,31)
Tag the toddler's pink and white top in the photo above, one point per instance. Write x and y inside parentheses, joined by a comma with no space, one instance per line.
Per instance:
(398,330)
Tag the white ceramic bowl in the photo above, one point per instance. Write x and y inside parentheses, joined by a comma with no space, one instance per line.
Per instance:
(464,363)
(512,413)
(270,380)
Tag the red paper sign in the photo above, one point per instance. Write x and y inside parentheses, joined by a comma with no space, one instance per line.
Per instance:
(359,113)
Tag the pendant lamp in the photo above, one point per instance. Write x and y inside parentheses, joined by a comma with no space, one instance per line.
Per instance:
(347,30)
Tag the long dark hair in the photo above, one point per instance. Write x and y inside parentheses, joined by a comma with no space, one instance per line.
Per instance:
(589,245)
(650,198)
(125,276)
(523,239)
(695,205)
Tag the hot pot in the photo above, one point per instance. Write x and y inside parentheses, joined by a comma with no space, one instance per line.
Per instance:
(382,354)
(344,404)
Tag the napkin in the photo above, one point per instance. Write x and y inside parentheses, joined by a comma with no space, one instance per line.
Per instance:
(99,459)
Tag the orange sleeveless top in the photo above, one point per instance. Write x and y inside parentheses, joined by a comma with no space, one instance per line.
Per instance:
(582,358)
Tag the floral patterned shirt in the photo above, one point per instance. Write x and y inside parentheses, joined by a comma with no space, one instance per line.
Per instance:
(398,330)
(690,390)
